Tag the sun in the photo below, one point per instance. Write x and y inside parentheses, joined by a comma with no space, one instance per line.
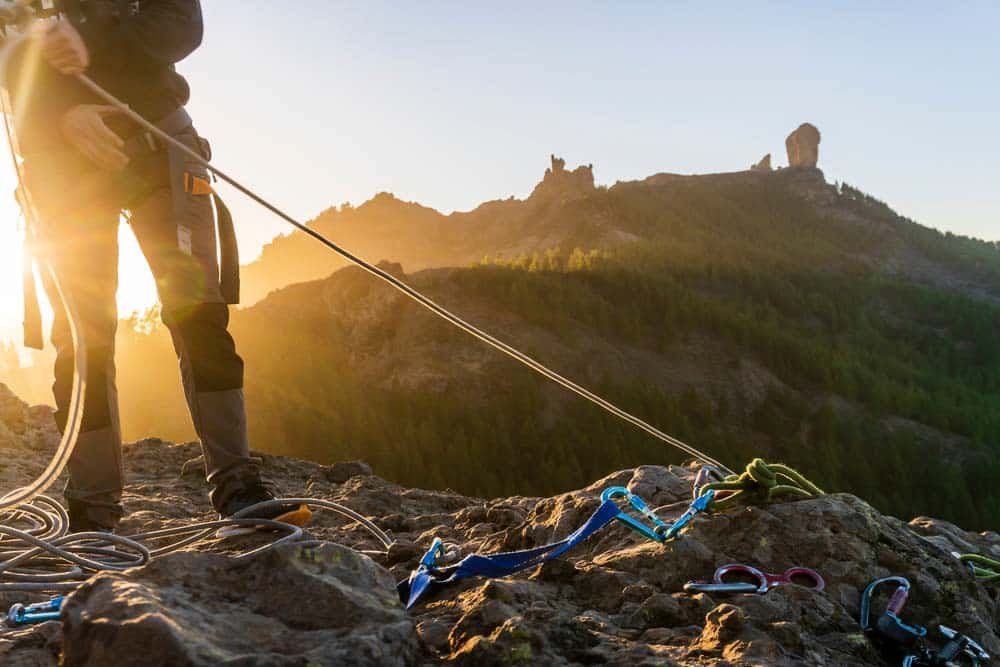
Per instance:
(136,288)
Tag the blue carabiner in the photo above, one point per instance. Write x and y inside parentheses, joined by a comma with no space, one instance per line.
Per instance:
(39,612)
(700,504)
(654,532)
(659,531)
(429,559)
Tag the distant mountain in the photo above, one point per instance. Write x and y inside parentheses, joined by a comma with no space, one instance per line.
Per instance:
(753,313)
(564,209)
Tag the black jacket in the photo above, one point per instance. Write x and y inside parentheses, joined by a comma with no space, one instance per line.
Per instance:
(133,46)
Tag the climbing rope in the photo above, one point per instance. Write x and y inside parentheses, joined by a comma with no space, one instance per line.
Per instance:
(38,553)
(985,569)
(759,484)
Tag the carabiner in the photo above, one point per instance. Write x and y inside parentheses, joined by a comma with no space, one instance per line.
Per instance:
(654,532)
(889,624)
(429,559)
(659,531)
(39,612)
(960,645)
(705,476)
(700,504)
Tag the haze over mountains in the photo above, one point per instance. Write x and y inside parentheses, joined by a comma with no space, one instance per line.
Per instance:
(751,313)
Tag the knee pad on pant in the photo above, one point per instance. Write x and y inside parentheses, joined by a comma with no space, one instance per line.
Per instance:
(96,408)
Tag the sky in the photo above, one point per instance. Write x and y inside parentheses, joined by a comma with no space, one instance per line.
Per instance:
(315,103)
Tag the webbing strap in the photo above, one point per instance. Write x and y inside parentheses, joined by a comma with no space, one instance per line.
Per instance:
(33,337)
(229,252)
(501,564)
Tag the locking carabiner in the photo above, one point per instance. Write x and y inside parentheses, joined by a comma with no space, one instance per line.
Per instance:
(889,625)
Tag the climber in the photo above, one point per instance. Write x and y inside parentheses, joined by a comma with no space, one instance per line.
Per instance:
(85,165)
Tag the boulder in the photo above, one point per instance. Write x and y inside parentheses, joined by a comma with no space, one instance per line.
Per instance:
(803,146)
(342,471)
(291,605)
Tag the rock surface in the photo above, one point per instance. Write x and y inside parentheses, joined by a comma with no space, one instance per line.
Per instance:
(803,146)
(763,165)
(562,185)
(292,605)
(615,599)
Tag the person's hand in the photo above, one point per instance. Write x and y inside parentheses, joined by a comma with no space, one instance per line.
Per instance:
(83,127)
(63,48)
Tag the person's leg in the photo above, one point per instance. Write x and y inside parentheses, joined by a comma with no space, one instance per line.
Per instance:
(182,255)
(84,255)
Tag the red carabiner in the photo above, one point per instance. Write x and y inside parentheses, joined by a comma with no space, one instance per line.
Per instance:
(766,581)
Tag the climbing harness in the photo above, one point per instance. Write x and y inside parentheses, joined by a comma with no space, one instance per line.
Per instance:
(760,483)
(763,581)
(39,612)
(430,576)
(892,632)
(984,569)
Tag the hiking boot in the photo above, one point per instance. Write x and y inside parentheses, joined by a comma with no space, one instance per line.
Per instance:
(96,517)
(252,493)
(238,488)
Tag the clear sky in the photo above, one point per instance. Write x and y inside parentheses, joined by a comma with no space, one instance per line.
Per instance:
(318,102)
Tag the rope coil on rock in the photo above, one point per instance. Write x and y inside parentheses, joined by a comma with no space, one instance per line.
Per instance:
(44,556)
(758,484)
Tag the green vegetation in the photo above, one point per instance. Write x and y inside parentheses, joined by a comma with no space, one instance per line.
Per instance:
(881,385)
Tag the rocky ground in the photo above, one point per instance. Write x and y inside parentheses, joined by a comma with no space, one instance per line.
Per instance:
(615,599)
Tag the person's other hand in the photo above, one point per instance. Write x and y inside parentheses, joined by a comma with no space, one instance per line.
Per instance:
(84,128)
(63,48)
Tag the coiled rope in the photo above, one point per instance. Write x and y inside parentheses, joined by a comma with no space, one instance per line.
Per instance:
(760,483)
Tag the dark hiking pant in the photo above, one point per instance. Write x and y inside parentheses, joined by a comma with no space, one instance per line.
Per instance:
(179,244)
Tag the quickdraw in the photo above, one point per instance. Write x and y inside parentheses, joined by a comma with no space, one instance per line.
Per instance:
(659,531)
(430,574)
(908,639)
(39,612)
